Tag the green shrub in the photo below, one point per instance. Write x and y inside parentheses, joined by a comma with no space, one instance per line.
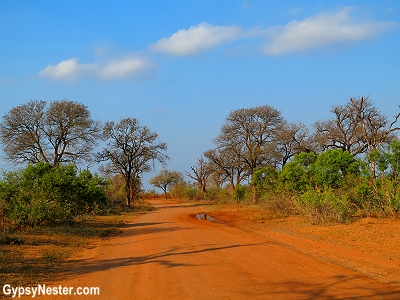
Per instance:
(324,207)
(194,193)
(240,192)
(42,194)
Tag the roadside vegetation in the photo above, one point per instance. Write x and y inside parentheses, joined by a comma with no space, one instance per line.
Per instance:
(341,169)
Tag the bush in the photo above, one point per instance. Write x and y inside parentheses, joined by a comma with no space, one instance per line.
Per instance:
(240,192)
(42,194)
(295,175)
(277,205)
(324,207)
(194,193)
(178,191)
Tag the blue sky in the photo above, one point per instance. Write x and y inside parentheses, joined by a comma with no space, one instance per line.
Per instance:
(180,67)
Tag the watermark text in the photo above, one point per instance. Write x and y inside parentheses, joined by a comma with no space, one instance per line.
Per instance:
(42,289)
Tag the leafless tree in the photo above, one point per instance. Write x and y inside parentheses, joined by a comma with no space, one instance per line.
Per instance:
(131,150)
(62,133)
(227,164)
(375,127)
(357,127)
(201,174)
(291,139)
(343,131)
(250,133)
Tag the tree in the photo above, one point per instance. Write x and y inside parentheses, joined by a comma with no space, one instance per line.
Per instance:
(332,167)
(227,164)
(250,134)
(201,173)
(131,150)
(166,179)
(343,131)
(357,127)
(291,139)
(62,133)
(376,129)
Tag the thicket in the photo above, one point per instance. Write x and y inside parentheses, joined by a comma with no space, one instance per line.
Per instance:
(330,187)
(344,167)
(41,194)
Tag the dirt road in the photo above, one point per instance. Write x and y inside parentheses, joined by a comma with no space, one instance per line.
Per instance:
(169,254)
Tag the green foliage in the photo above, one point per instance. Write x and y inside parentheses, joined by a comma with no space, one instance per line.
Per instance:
(387,160)
(240,192)
(296,175)
(324,207)
(331,168)
(265,179)
(42,194)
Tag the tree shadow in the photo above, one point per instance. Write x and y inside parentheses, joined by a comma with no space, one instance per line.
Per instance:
(163,258)
(336,287)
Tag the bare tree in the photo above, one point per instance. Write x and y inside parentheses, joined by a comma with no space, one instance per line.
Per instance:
(291,139)
(131,150)
(343,131)
(250,133)
(375,127)
(227,164)
(357,127)
(166,179)
(201,173)
(62,133)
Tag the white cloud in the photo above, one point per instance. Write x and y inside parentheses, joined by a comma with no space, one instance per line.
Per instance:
(130,66)
(196,39)
(127,67)
(67,69)
(321,30)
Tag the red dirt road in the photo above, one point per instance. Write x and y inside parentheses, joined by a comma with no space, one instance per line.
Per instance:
(169,254)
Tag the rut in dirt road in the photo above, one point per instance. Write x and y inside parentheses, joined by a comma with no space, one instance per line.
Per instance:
(170,254)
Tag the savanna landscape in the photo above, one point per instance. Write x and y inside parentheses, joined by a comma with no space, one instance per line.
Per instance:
(241,149)
(275,210)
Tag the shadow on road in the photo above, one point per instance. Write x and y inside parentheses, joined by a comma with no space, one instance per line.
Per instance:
(164,258)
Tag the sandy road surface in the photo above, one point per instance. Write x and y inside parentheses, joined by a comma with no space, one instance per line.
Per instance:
(169,254)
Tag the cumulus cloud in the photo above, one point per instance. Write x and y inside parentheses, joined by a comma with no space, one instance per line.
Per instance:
(71,69)
(196,39)
(321,30)
(67,69)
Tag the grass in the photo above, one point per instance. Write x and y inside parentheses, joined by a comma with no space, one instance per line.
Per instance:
(38,255)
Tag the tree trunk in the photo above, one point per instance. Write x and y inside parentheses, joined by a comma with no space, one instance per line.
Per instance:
(255,198)
(232,184)
(128,189)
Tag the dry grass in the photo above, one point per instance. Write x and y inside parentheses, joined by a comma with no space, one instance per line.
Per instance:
(38,255)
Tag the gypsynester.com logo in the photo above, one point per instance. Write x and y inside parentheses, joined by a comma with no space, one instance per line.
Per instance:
(42,289)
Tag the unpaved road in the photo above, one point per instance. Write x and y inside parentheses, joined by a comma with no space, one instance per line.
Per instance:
(169,254)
